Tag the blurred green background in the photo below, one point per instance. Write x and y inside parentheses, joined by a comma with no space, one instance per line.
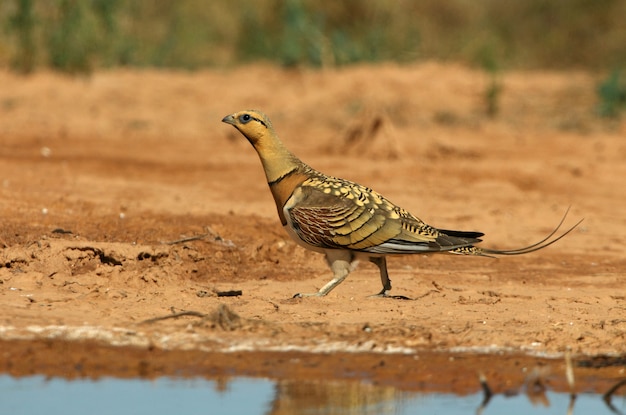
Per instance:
(84,35)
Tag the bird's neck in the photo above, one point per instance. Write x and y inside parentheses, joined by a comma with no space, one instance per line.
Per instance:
(277,160)
(284,172)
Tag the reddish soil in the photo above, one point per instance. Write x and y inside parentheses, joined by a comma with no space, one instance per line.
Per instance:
(103,178)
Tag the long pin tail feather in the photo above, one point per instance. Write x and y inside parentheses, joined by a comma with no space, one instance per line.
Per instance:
(545,242)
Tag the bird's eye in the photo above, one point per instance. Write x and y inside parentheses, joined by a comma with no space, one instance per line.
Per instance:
(245,118)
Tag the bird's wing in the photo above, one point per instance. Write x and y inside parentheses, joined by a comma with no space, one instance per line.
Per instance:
(331,213)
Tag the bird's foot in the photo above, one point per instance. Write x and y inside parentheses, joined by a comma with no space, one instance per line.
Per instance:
(383,294)
(302,295)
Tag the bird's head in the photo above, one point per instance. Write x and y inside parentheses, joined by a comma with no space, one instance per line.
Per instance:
(254,125)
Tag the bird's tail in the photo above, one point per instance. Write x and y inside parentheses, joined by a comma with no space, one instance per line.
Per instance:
(545,242)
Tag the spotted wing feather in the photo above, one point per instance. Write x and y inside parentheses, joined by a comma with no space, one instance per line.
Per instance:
(331,213)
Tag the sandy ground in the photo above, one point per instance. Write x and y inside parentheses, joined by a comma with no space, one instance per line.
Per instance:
(103,178)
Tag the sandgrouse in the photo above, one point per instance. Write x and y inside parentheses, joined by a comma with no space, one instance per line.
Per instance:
(344,220)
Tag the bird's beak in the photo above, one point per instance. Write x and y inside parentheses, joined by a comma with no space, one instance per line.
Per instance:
(229,119)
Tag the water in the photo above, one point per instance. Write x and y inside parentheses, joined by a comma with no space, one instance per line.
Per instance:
(237,396)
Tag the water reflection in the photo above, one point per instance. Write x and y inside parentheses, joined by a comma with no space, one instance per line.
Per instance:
(37,395)
(341,397)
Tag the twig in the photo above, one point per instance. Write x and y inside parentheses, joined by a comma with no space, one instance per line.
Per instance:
(175,315)
(230,293)
(209,233)
(223,317)
(187,239)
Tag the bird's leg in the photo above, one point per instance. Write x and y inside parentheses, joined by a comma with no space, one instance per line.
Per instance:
(341,263)
(381,263)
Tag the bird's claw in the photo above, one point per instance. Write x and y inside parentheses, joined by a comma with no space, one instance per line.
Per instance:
(383,294)
(302,295)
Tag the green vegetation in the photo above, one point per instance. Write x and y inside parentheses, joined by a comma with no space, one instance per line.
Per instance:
(612,94)
(326,33)
(493,89)
(81,35)
(22,23)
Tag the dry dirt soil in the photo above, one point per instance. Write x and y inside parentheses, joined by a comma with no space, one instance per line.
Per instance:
(127,206)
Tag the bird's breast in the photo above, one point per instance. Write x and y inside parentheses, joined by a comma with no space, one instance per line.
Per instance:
(284,189)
